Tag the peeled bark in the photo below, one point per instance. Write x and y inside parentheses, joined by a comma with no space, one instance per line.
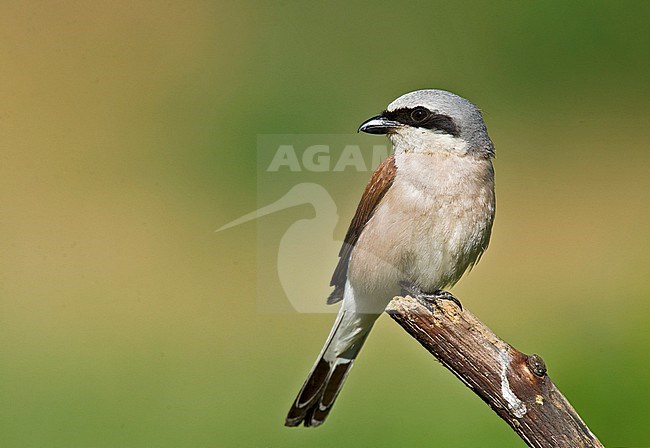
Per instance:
(515,385)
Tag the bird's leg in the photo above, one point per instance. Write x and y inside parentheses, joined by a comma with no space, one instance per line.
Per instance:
(438,294)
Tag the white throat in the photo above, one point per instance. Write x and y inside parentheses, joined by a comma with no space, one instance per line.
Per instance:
(425,141)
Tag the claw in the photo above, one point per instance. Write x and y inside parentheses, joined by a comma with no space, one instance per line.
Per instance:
(439,294)
(446,295)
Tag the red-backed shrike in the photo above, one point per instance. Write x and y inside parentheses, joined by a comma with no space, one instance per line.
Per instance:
(424,219)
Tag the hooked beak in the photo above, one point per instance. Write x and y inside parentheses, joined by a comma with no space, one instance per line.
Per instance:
(378,125)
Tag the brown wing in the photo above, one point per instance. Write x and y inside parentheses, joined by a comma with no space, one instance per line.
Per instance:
(381,180)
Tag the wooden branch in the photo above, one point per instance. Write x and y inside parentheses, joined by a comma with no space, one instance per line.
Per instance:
(513,384)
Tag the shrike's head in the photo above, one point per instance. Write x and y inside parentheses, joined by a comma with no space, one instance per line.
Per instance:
(429,121)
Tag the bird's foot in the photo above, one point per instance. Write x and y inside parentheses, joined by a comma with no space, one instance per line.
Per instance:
(439,294)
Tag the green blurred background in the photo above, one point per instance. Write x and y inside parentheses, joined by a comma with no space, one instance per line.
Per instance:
(128,134)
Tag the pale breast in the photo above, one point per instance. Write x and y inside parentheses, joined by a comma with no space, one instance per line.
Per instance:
(433,224)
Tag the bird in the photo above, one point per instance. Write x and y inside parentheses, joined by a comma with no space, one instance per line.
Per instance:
(424,220)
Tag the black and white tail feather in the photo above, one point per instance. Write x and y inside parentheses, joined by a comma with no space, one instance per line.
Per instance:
(326,378)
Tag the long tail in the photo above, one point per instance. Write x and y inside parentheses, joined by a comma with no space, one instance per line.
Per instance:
(324,382)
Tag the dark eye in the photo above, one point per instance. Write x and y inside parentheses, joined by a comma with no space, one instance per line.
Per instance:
(419,114)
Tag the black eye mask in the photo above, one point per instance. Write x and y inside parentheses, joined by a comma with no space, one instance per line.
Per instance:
(421,117)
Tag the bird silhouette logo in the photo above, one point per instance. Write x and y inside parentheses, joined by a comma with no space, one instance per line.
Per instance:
(296,250)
